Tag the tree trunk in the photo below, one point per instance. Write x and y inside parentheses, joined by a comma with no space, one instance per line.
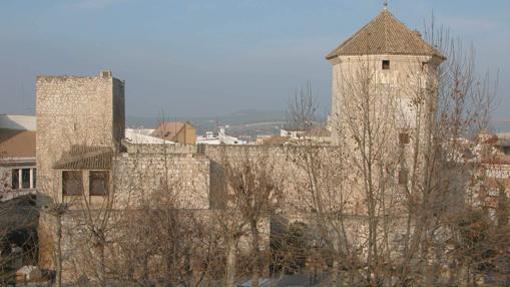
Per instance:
(170,266)
(145,261)
(231,263)
(255,269)
(336,280)
(59,251)
(102,276)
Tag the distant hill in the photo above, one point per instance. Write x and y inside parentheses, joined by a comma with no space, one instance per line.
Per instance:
(248,122)
(251,122)
(501,125)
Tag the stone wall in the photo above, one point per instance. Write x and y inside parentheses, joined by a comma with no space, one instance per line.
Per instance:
(286,164)
(192,179)
(139,176)
(135,235)
(168,149)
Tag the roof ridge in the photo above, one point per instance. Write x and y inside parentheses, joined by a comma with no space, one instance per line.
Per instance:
(384,12)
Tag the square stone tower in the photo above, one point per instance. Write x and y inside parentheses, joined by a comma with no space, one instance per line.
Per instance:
(72,112)
(75,111)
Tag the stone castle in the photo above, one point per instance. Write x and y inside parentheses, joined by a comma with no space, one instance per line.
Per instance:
(84,160)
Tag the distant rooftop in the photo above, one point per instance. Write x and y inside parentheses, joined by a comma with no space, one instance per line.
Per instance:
(17,137)
(143,136)
(18,122)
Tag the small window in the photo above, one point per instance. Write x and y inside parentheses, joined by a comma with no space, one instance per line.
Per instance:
(386,64)
(15,179)
(402,177)
(25,178)
(72,183)
(34,177)
(403,138)
(98,183)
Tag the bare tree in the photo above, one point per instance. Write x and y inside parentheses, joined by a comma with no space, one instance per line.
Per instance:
(401,165)
(302,109)
(325,202)
(253,195)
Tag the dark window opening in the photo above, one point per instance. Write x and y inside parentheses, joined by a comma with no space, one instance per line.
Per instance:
(402,177)
(15,179)
(34,177)
(98,183)
(25,178)
(72,183)
(386,64)
(403,138)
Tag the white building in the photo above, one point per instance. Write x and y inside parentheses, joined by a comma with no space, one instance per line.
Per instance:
(220,138)
(17,155)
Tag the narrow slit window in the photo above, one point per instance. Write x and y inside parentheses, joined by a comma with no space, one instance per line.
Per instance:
(15,179)
(424,65)
(386,64)
(34,177)
(402,177)
(25,178)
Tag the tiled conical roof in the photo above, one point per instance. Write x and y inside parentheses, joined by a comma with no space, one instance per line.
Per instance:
(384,35)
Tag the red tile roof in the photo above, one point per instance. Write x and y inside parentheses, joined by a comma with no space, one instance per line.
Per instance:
(168,130)
(17,143)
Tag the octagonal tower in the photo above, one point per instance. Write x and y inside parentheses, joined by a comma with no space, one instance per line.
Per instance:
(389,65)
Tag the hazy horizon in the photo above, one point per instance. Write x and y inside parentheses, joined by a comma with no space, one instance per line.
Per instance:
(205,58)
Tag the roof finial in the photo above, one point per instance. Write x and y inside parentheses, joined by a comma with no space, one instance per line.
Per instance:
(385,4)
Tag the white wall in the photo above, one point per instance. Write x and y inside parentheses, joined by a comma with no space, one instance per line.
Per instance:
(18,122)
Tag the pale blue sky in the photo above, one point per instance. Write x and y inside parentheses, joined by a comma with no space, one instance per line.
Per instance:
(209,57)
